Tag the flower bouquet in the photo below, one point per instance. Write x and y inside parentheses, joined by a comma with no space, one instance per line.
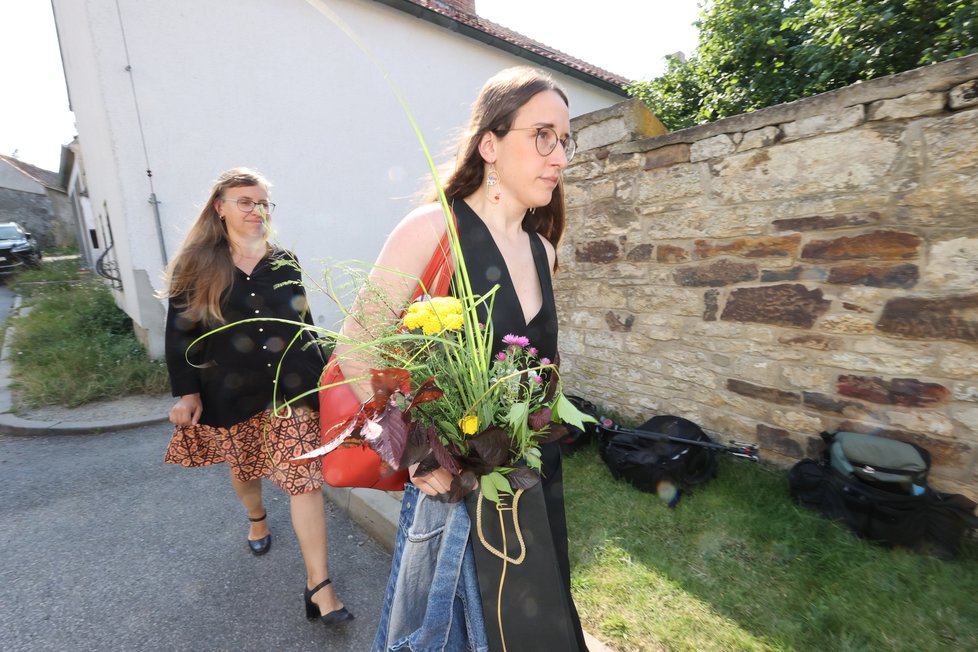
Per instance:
(440,398)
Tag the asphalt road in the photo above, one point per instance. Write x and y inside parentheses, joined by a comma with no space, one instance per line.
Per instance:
(104,547)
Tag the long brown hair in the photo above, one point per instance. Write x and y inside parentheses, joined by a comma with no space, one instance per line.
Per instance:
(494,110)
(202,269)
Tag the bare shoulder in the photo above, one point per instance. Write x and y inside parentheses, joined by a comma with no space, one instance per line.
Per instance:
(410,245)
(551,252)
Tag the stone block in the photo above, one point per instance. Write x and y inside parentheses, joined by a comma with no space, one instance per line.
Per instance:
(780,441)
(951,265)
(619,323)
(791,305)
(964,95)
(912,105)
(825,222)
(710,305)
(764,137)
(950,318)
(856,161)
(826,403)
(717,274)
(671,254)
(846,325)
(881,245)
(781,275)
(905,392)
(712,147)
(808,340)
(878,276)
(769,394)
(665,185)
(640,253)
(668,155)
(797,421)
(815,125)
(959,362)
(597,251)
(763,247)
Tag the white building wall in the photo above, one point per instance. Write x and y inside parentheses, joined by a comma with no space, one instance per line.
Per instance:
(275,86)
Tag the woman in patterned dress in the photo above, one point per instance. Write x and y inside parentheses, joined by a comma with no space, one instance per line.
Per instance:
(234,384)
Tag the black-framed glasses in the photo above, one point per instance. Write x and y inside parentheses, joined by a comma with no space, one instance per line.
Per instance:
(546,141)
(247,205)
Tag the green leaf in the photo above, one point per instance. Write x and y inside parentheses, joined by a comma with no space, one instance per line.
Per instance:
(566,412)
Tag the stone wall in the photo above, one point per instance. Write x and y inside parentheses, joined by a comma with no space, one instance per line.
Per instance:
(811,266)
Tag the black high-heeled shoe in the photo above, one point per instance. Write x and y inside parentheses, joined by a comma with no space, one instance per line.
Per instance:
(260,546)
(340,615)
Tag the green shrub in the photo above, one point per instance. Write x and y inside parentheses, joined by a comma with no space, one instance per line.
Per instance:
(74,345)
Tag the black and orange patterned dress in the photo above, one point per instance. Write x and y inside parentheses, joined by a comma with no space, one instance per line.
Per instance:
(244,369)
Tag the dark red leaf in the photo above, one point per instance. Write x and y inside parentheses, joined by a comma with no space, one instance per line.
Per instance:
(385,383)
(428,391)
(522,477)
(416,447)
(445,459)
(492,445)
(539,419)
(392,441)
(557,431)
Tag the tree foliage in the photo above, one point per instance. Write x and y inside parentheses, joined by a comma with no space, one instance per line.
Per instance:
(757,53)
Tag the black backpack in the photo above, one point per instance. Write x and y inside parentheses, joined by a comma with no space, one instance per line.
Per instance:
(649,462)
(885,500)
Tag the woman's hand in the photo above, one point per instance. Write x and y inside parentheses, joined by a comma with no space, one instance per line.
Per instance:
(437,482)
(186,411)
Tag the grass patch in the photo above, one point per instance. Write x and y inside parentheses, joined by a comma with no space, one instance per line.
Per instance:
(74,345)
(737,566)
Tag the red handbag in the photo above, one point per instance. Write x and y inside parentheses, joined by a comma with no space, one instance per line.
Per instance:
(359,465)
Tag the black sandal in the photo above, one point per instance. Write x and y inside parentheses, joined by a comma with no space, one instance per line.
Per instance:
(341,615)
(260,546)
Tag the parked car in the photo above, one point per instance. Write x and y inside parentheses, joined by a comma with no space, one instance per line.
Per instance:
(18,248)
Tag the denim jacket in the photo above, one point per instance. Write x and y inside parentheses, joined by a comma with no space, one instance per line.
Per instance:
(432,602)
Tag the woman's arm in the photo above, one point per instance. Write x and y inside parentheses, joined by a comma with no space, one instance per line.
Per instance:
(184,378)
(393,278)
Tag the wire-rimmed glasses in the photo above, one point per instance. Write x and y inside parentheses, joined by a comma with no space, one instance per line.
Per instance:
(547,139)
(247,205)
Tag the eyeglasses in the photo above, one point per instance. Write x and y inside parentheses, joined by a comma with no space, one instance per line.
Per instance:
(546,141)
(247,205)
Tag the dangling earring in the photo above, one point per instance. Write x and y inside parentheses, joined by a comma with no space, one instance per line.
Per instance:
(492,184)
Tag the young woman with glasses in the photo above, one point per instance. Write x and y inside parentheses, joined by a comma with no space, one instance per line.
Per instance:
(233,383)
(506,195)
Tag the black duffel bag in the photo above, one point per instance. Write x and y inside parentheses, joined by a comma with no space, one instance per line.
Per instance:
(884,500)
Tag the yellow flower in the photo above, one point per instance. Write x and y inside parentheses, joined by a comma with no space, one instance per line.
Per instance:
(469,424)
(413,320)
(434,315)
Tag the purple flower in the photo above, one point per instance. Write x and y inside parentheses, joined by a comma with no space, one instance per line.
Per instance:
(516,340)
(538,379)
(532,350)
(501,356)
(544,361)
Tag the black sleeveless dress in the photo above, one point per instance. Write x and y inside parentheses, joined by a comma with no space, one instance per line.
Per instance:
(487,268)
